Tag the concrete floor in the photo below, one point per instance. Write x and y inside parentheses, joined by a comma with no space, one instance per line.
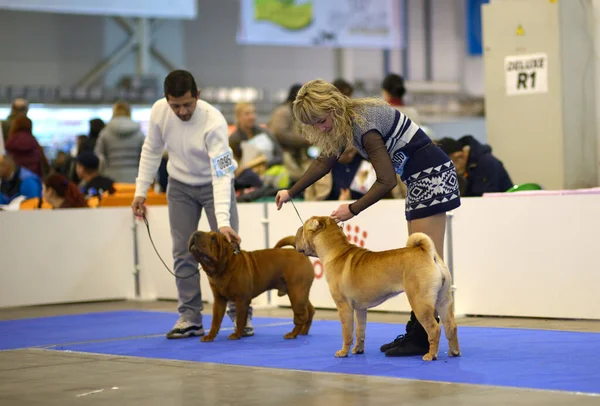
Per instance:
(43,377)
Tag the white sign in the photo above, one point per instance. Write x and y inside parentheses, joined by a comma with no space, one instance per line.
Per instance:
(526,74)
(332,23)
(131,8)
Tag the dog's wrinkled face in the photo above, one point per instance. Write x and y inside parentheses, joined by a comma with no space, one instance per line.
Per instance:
(306,234)
(208,249)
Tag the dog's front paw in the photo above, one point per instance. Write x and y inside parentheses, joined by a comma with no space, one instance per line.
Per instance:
(429,357)
(341,354)
(234,336)
(207,339)
(358,349)
(290,336)
(454,353)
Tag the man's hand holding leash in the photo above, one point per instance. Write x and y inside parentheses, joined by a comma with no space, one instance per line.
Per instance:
(138,206)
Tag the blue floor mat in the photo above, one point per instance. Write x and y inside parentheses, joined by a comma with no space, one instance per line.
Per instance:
(524,358)
(100,326)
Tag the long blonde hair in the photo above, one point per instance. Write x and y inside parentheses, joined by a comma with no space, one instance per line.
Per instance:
(318,98)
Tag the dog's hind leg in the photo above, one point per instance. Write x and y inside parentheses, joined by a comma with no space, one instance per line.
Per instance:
(301,314)
(425,313)
(444,308)
(311,313)
(361,328)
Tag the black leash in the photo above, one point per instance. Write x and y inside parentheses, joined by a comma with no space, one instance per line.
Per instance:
(341,223)
(301,221)
(159,257)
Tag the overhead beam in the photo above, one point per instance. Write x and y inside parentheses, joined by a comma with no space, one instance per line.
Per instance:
(140,41)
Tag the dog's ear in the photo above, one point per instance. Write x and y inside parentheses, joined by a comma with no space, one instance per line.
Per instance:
(313,224)
(222,243)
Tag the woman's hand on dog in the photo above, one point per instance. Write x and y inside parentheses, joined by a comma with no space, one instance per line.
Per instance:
(342,213)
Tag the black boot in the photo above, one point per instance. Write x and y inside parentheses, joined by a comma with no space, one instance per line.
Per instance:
(414,342)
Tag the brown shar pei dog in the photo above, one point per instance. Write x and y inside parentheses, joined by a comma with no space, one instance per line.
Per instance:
(360,279)
(240,276)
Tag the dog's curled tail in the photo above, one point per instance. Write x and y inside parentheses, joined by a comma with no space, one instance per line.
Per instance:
(284,242)
(423,241)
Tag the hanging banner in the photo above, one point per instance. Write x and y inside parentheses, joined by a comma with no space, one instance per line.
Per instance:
(474,31)
(177,9)
(331,23)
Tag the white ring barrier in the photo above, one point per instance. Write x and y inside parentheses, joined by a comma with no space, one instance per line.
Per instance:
(527,255)
(59,256)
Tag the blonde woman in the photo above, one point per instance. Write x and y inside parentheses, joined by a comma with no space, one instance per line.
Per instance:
(394,145)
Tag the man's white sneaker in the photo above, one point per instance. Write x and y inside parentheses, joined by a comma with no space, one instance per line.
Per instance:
(185,329)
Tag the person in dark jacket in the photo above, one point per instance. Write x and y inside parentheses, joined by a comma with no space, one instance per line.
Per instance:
(478,170)
(92,183)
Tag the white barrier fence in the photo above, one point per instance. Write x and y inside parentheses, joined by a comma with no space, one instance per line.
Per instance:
(57,256)
(531,256)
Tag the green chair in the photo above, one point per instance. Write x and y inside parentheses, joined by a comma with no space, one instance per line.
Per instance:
(525,186)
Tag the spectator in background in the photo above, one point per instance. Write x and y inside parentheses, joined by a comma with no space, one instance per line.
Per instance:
(24,147)
(92,183)
(19,106)
(344,87)
(96,126)
(119,145)
(17,181)
(249,134)
(283,126)
(347,179)
(2,150)
(393,91)
(478,170)
(62,163)
(61,193)
(81,145)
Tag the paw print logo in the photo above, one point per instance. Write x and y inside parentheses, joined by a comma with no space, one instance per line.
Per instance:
(356,235)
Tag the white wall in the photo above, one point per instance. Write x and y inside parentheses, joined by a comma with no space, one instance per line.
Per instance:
(54,49)
(48,49)
(217,60)
(213,54)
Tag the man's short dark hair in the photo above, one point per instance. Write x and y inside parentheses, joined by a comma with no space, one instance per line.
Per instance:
(178,83)
(449,145)
(343,86)
(88,160)
(293,92)
(394,85)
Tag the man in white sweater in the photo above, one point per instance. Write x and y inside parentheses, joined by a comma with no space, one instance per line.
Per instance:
(201,168)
